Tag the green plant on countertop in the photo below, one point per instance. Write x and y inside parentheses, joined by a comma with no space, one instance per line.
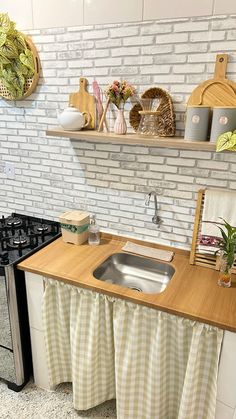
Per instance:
(226,141)
(227,243)
(227,248)
(16,60)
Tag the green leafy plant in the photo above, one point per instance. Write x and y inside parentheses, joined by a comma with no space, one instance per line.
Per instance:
(16,60)
(226,141)
(227,244)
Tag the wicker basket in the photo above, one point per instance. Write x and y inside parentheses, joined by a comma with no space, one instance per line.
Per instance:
(30,83)
(165,108)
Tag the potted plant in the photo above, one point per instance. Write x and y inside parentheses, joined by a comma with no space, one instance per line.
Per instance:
(227,249)
(16,59)
(226,141)
(118,93)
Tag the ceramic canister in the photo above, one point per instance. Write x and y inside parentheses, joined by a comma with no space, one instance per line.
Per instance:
(223,120)
(197,123)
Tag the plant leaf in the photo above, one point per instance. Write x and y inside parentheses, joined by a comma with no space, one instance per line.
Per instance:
(18,67)
(223,234)
(19,41)
(224,141)
(9,87)
(15,79)
(4,60)
(18,81)
(8,50)
(3,38)
(27,59)
(12,28)
(5,23)
(233,142)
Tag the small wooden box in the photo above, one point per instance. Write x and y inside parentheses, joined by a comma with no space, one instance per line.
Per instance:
(74,226)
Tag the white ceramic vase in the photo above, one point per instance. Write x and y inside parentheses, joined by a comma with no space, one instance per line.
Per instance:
(120,126)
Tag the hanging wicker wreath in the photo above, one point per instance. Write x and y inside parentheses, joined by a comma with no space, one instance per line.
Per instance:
(19,62)
(167,127)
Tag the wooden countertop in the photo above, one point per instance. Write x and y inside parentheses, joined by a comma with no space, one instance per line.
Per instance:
(192,292)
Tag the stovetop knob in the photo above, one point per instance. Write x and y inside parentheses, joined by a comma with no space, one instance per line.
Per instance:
(4,258)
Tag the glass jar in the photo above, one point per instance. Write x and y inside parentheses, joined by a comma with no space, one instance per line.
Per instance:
(151,123)
(225,271)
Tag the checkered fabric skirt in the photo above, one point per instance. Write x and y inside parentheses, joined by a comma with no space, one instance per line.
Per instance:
(156,365)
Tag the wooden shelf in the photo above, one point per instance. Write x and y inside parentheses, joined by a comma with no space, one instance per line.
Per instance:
(133,139)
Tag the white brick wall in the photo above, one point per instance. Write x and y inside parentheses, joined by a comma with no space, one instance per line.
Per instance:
(54,175)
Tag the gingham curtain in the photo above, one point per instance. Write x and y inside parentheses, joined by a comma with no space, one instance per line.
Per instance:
(79,342)
(156,365)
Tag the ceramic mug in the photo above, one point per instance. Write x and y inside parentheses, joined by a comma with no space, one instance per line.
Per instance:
(197,123)
(223,120)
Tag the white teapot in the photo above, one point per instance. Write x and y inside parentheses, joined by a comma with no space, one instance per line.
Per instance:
(72,119)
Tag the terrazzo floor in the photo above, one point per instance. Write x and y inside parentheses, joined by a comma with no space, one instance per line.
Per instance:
(34,403)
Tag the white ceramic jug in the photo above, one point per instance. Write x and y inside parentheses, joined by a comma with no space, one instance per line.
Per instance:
(72,119)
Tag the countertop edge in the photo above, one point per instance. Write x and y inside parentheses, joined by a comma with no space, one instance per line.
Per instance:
(166,301)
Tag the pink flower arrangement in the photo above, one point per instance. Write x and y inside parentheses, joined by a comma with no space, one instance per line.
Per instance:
(119,92)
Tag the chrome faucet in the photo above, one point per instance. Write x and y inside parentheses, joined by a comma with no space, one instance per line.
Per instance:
(155,219)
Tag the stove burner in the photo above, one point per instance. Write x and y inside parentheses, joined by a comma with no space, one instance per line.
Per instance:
(22,235)
(18,243)
(14,221)
(19,240)
(42,227)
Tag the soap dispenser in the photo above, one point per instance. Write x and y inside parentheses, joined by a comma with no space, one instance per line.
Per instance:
(93,232)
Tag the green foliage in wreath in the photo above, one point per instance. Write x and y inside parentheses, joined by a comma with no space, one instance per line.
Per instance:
(16,60)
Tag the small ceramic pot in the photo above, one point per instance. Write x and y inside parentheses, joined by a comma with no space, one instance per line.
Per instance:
(72,119)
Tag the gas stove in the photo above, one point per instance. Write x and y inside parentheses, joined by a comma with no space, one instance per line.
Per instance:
(21,235)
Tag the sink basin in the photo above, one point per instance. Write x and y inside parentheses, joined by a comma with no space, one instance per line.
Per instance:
(135,272)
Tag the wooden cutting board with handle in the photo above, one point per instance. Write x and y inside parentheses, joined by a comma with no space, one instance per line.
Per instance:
(218,91)
(85,102)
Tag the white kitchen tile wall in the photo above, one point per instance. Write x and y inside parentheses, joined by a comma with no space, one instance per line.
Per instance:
(68,13)
(55,174)
(158,9)
(224,7)
(54,13)
(110,11)
(20,11)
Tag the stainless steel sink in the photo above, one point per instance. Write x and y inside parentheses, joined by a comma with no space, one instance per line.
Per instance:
(135,272)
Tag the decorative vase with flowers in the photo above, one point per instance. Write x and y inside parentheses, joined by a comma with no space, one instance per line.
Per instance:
(118,93)
(227,249)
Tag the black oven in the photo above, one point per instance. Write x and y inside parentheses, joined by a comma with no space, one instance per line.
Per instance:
(20,236)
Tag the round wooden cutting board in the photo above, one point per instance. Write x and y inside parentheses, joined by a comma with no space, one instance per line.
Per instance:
(218,91)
